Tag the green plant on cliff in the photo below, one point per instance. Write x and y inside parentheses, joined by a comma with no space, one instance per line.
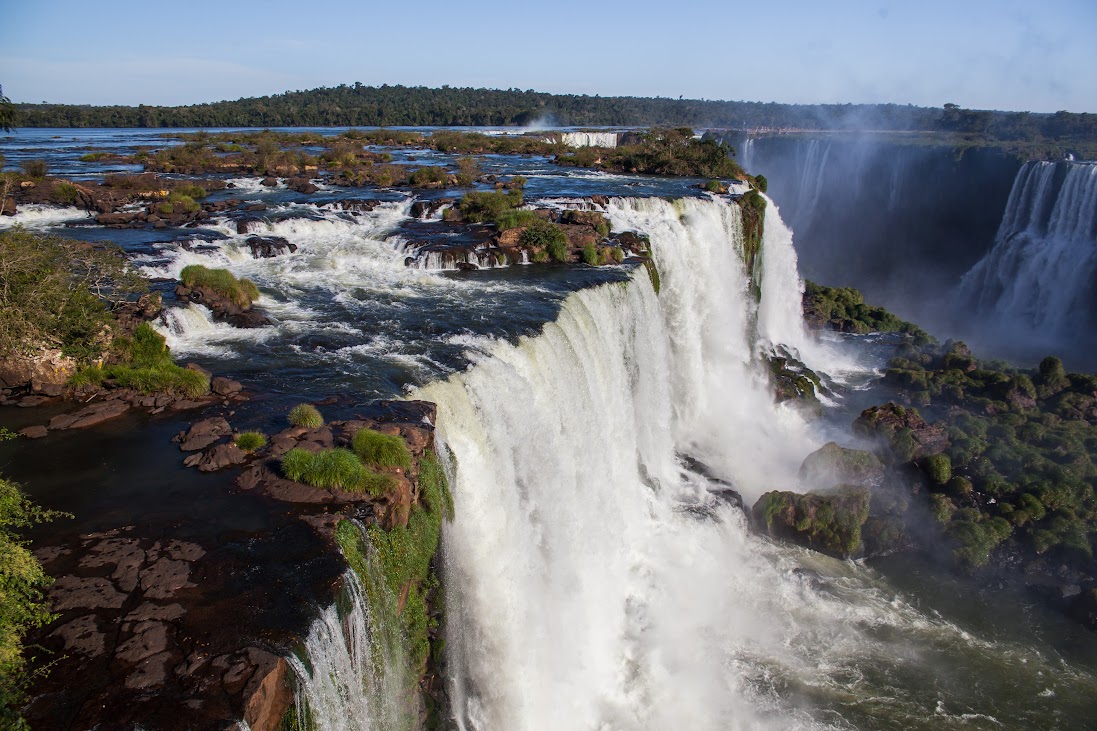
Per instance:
(58,294)
(243,292)
(381,450)
(22,604)
(339,469)
(403,557)
(546,236)
(590,255)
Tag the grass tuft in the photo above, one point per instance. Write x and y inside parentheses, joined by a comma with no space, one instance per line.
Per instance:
(381,450)
(250,441)
(306,415)
(241,291)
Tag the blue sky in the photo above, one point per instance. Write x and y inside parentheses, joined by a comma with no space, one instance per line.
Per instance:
(998,54)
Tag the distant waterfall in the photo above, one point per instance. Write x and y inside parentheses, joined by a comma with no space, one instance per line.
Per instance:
(589,139)
(1042,271)
(746,155)
(812,175)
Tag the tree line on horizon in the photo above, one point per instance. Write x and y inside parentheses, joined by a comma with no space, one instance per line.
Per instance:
(357,105)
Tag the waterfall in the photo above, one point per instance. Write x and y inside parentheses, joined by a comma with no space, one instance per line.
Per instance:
(587,570)
(1040,273)
(746,155)
(350,674)
(589,139)
(811,179)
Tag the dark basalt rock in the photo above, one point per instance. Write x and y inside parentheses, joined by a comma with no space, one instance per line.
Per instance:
(903,429)
(834,465)
(203,433)
(89,415)
(268,247)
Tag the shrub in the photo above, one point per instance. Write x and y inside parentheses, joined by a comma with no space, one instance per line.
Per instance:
(761,183)
(612,255)
(94,156)
(515,218)
(58,293)
(481,207)
(546,236)
(190,190)
(65,193)
(183,203)
(329,468)
(165,209)
(241,291)
(467,171)
(381,450)
(306,415)
(590,255)
(22,603)
(36,168)
(939,468)
(250,441)
(428,175)
(714,186)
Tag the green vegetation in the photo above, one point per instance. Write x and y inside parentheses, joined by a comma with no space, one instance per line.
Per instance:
(761,183)
(58,293)
(429,175)
(143,362)
(7,114)
(381,450)
(590,255)
(251,441)
(65,193)
(485,207)
(829,523)
(402,558)
(547,237)
(333,469)
(240,291)
(844,309)
(36,169)
(515,218)
(22,604)
(662,152)
(1018,461)
(306,415)
(94,156)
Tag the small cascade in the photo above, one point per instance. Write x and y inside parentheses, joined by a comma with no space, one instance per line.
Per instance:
(812,175)
(350,675)
(41,215)
(590,139)
(1042,270)
(746,155)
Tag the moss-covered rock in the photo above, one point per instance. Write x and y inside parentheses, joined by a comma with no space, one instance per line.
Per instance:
(830,523)
(902,430)
(832,464)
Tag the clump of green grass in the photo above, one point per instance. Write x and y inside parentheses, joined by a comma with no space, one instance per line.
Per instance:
(590,255)
(145,365)
(485,206)
(251,441)
(339,469)
(241,291)
(515,218)
(94,156)
(381,450)
(65,193)
(190,190)
(306,415)
(330,468)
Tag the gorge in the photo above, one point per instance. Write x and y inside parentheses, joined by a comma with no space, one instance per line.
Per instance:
(600,429)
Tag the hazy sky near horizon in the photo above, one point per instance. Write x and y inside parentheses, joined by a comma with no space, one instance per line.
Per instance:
(981,54)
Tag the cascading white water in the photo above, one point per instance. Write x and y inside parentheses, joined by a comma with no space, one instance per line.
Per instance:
(581,581)
(1042,269)
(347,677)
(594,581)
(41,215)
(589,139)
(811,179)
(746,154)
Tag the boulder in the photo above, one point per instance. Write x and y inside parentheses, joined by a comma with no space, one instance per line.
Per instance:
(248,224)
(203,433)
(219,457)
(89,415)
(34,432)
(8,209)
(829,523)
(225,386)
(269,182)
(301,185)
(834,465)
(268,247)
(903,430)
(115,219)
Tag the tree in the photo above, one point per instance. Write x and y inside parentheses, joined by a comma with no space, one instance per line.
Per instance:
(7,112)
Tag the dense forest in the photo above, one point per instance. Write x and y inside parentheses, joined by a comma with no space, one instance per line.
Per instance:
(359,105)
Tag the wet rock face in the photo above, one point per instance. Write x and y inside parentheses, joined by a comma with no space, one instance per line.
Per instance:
(268,247)
(834,465)
(131,613)
(829,523)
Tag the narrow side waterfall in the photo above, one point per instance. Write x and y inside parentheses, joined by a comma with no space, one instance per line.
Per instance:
(1042,270)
